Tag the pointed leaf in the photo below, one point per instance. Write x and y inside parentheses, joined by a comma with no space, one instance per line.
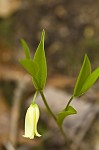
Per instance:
(90,80)
(32,68)
(63,114)
(40,60)
(29,65)
(83,75)
(26,48)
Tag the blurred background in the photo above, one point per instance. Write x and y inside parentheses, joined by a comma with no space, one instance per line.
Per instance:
(72,29)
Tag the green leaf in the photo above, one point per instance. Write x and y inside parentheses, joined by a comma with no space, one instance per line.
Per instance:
(25,48)
(83,75)
(30,66)
(90,80)
(63,114)
(40,60)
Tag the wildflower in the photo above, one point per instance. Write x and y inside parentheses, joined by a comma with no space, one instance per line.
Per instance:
(31,120)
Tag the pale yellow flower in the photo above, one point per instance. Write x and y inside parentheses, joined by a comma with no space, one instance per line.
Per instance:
(31,120)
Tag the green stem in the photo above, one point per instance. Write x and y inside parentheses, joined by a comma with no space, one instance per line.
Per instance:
(47,106)
(67,142)
(69,102)
(34,97)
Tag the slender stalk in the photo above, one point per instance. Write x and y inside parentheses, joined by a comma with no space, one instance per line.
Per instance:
(34,97)
(69,102)
(47,106)
(67,142)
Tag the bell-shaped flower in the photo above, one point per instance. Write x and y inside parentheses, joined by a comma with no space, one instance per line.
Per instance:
(31,120)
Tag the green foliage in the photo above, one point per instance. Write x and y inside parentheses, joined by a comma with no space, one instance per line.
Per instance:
(90,80)
(30,66)
(63,114)
(84,73)
(25,48)
(40,60)
(85,78)
(37,67)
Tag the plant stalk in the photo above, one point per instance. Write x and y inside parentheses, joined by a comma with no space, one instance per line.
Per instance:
(69,102)
(67,142)
(47,106)
(34,98)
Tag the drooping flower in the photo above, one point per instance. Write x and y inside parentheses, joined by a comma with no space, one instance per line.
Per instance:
(31,120)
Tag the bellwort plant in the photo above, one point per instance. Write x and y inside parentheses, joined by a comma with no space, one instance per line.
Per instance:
(37,68)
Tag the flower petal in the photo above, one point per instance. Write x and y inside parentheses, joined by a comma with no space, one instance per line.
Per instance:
(36,121)
(29,122)
(37,134)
